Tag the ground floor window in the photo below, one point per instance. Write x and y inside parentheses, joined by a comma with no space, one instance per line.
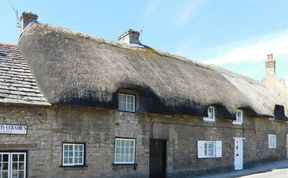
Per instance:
(13,164)
(272,140)
(73,154)
(209,149)
(124,151)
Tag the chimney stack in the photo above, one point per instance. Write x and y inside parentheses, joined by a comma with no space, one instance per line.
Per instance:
(130,37)
(27,18)
(270,65)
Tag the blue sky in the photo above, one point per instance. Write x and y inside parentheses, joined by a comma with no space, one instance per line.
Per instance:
(235,34)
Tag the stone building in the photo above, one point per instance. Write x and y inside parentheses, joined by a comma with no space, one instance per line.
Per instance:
(73,105)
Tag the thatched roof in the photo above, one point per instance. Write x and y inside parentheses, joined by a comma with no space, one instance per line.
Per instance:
(17,84)
(74,68)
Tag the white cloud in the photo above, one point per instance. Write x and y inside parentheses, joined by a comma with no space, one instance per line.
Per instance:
(187,12)
(152,7)
(252,50)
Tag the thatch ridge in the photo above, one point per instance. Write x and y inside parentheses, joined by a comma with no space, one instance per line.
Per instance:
(75,68)
(112,43)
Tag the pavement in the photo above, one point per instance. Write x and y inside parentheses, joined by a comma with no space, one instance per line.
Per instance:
(278,169)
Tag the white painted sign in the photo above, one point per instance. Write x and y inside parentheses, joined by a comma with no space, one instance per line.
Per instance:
(13,129)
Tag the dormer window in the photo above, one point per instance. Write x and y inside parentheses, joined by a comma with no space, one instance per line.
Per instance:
(211,114)
(239,117)
(126,102)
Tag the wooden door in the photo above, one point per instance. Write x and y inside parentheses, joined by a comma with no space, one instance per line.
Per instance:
(157,159)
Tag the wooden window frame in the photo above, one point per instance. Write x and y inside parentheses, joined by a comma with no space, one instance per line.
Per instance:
(73,164)
(239,119)
(115,151)
(126,103)
(272,141)
(211,115)
(203,149)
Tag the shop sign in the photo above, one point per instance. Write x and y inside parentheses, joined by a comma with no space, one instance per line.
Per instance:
(13,129)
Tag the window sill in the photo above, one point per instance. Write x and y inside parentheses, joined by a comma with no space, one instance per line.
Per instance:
(209,157)
(126,111)
(237,123)
(134,165)
(76,166)
(124,164)
(207,119)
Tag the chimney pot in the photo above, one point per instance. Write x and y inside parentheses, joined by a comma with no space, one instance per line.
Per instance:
(270,65)
(27,18)
(270,57)
(130,37)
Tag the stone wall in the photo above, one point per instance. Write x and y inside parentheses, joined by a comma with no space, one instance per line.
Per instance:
(49,127)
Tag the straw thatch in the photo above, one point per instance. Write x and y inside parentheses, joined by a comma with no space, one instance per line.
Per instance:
(73,68)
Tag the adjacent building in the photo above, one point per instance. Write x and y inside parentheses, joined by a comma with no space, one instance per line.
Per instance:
(73,105)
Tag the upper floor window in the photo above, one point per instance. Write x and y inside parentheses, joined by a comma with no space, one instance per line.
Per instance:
(239,117)
(272,141)
(211,114)
(73,154)
(126,102)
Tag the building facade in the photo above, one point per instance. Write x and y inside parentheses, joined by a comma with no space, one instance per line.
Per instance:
(73,105)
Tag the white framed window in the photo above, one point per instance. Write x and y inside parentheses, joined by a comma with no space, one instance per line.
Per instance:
(124,151)
(211,114)
(126,102)
(272,141)
(73,154)
(238,117)
(13,164)
(209,149)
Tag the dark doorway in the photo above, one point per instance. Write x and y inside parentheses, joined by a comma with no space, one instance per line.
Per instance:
(157,159)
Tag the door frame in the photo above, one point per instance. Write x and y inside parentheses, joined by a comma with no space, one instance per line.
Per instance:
(10,152)
(287,146)
(242,140)
(165,154)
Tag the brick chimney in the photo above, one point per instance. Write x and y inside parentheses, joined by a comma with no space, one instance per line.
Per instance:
(270,65)
(27,18)
(130,37)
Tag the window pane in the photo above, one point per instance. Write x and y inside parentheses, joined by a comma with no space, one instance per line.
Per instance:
(5,166)
(117,142)
(15,166)
(21,166)
(21,174)
(21,157)
(5,174)
(117,150)
(122,143)
(127,143)
(5,157)
(14,174)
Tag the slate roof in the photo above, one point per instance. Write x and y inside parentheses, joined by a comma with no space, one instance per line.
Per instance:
(17,85)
